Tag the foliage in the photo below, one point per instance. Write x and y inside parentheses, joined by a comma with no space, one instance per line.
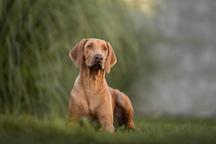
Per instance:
(164,130)
(35,37)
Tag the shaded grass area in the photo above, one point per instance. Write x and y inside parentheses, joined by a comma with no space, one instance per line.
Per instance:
(29,130)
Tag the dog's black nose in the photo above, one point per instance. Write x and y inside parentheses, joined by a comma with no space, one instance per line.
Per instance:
(98,58)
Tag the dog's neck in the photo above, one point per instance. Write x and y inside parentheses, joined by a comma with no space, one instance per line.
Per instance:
(92,76)
(92,81)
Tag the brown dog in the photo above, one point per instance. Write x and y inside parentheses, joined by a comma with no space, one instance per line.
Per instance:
(91,97)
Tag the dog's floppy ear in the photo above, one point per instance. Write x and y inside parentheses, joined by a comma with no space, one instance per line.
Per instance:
(111,58)
(76,54)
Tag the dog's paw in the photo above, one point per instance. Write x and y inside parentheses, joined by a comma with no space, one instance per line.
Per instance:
(135,129)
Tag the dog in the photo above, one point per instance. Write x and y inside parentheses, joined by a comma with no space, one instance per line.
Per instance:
(91,97)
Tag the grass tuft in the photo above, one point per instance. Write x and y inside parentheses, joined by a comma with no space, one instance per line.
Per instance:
(26,129)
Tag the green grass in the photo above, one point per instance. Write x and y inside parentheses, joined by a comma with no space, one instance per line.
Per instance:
(36,73)
(25,129)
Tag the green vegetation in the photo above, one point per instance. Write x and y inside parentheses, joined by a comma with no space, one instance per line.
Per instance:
(36,74)
(35,37)
(30,130)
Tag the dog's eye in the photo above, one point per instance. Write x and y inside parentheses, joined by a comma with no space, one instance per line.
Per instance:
(89,46)
(104,48)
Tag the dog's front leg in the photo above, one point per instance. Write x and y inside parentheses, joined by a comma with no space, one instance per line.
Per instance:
(105,117)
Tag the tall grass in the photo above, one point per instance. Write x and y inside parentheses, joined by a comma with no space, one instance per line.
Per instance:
(36,74)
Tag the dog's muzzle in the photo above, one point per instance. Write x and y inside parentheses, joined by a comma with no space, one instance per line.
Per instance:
(98,59)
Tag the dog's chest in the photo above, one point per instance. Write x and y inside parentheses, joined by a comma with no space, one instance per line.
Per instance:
(94,95)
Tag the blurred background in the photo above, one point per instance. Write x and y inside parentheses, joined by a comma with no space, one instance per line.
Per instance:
(166,54)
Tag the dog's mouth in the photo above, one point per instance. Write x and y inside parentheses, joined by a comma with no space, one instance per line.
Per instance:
(96,66)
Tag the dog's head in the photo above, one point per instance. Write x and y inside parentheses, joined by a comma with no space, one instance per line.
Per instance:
(95,54)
